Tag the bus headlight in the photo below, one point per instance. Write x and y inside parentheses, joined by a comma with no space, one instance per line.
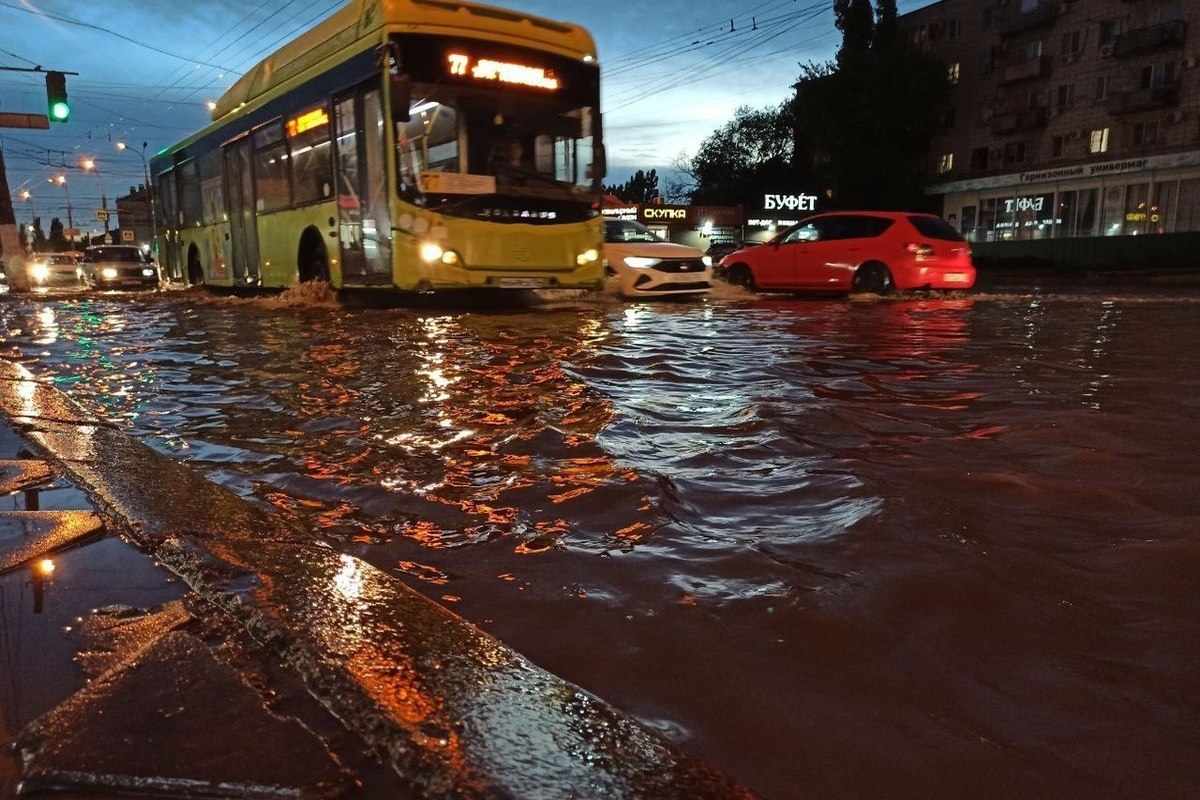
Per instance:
(450,257)
(431,252)
(637,262)
(707,260)
(589,256)
(40,273)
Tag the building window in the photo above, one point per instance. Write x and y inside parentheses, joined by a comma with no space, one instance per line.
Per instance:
(979,158)
(946,163)
(1109,31)
(1014,153)
(1066,95)
(1155,75)
(1033,50)
(953,29)
(1058,146)
(1098,141)
(1145,133)
(1102,87)
(949,117)
(952,72)
(1072,42)
(1168,11)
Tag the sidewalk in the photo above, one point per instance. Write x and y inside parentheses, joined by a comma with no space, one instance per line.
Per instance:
(452,711)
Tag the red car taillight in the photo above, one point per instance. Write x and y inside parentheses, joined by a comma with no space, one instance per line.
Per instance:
(919,250)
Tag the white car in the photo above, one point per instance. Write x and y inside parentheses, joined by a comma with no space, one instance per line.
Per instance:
(649,267)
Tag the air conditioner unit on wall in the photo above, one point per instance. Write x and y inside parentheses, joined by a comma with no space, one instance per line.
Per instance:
(1174,116)
(995,153)
(1070,58)
(1106,50)
(1189,62)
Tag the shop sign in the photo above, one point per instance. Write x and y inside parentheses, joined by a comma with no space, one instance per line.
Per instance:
(664,213)
(791,202)
(628,213)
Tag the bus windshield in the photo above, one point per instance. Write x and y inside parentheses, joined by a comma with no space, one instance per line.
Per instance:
(488,120)
(529,151)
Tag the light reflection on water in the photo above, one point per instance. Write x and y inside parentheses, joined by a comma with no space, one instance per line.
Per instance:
(815,540)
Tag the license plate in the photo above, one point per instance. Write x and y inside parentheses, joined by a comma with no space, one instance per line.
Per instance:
(522,283)
(956,277)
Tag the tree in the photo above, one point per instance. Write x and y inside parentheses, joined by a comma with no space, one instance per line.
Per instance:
(856,22)
(869,117)
(57,241)
(642,187)
(39,236)
(750,155)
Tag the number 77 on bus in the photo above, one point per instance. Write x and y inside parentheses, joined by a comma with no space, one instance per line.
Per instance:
(399,145)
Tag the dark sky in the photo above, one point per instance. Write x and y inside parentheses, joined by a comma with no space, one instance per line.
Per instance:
(673,71)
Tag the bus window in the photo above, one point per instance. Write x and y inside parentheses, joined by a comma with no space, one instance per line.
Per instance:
(188,175)
(428,142)
(212,188)
(270,169)
(312,162)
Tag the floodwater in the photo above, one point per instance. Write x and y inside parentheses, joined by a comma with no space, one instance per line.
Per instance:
(938,546)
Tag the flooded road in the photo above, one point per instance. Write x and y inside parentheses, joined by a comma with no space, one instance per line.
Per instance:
(931,546)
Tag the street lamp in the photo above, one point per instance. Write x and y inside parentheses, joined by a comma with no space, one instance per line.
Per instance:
(89,165)
(147,190)
(61,180)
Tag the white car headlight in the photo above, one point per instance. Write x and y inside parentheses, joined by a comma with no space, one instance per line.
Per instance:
(637,262)
(148,273)
(707,261)
(589,256)
(108,272)
(40,273)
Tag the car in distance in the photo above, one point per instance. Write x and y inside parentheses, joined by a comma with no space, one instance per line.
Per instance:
(55,269)
(646,266)
(118,266)
(857,251)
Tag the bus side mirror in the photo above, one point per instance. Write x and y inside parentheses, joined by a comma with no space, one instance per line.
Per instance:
(400,97)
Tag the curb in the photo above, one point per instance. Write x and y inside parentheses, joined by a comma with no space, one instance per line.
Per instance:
(453,710)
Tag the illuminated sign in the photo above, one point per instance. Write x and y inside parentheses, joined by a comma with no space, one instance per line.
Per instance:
(1035,203)
(658,213)
(486,69)
(623,213)
(792,202)
(307,121)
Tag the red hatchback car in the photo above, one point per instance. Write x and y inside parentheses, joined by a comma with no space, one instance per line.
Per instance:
(857,251)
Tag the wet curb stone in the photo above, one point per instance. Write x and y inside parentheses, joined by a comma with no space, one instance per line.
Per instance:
(453,710)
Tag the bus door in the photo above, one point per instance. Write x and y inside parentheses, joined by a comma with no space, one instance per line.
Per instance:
(239,194)
(364,224)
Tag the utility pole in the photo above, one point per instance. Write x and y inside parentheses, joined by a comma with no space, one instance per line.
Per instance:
(8,219)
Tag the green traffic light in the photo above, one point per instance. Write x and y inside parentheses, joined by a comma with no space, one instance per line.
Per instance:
(60,111)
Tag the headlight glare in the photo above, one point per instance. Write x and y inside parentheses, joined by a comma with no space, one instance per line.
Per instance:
(589,256)
(40,272)
(108,272)
(431,252)
(707,261)
(450,257)
(637,262)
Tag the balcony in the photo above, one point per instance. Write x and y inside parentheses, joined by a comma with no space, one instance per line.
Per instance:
(1025,120)
(1025,70)
(1041,14)
(1148,99)
(1156,37)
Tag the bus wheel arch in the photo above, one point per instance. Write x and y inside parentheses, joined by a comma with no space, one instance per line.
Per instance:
(312,258)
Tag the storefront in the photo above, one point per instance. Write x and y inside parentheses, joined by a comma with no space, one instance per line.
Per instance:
(779,212)
(696,226)
(1155,194)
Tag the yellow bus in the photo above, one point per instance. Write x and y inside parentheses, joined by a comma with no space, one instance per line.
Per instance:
(411,145)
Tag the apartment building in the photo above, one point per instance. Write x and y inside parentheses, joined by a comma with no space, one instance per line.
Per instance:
(1068,117)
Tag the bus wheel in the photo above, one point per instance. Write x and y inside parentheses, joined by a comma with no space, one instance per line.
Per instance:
(873,277)
(195,273)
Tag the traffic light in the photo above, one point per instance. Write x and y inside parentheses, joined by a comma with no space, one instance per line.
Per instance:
(56,97)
